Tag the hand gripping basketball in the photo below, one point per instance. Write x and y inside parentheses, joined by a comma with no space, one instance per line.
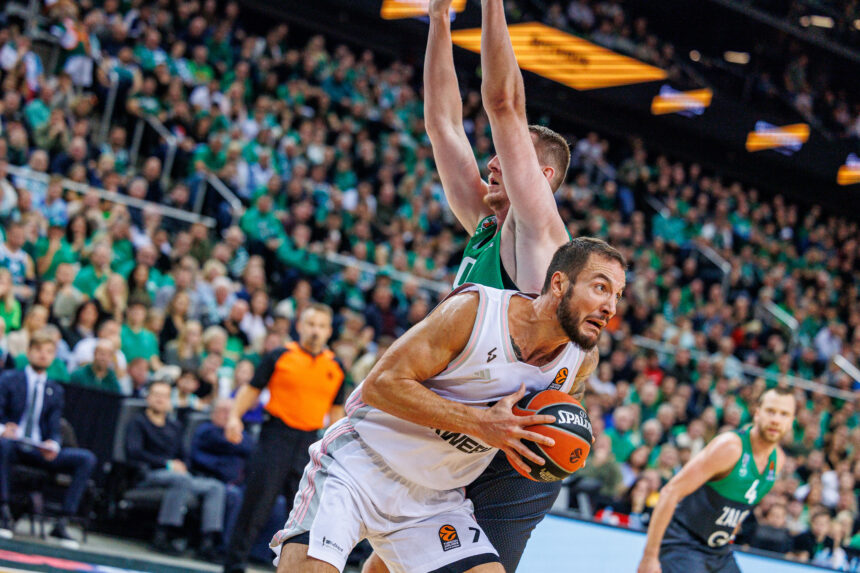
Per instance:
(571,432)
(501,428)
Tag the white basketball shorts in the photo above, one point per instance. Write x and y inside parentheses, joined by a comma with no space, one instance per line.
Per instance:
(348,493)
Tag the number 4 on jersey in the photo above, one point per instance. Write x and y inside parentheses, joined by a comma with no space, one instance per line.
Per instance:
(751,493)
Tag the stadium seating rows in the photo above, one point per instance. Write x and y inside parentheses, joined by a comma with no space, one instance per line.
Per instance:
(325,148)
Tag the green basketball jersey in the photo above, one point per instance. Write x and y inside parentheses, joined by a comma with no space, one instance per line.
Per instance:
(482,261)
(712,512)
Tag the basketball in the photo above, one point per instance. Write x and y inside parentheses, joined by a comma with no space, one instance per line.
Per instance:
(571,432)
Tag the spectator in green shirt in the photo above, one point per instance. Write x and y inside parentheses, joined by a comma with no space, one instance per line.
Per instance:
(97,272)
(52,251)
(262,225)
(10,308)
(137,341)
(624,438)
(99,374)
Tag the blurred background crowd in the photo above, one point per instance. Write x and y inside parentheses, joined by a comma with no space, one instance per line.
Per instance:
(731,289)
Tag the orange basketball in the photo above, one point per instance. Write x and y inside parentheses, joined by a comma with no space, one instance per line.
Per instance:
(571,432)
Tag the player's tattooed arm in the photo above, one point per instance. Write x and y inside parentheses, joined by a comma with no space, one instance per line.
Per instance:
(589,365)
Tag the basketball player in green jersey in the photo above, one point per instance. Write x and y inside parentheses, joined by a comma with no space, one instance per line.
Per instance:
(515,227)
(701,509)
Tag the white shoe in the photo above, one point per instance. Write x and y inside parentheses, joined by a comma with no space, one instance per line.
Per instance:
(68,544)
(6,533)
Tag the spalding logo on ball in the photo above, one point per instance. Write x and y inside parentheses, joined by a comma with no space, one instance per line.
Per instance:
(571,432)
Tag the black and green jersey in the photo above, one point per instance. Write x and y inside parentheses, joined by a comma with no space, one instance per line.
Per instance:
(482,261)
(712,512)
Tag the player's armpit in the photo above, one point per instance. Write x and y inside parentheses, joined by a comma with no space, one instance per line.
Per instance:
(394,385)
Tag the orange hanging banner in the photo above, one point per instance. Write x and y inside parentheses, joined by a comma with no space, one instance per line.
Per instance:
(567,59)
(399,9)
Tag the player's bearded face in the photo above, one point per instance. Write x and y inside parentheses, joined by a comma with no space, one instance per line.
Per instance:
(572,322)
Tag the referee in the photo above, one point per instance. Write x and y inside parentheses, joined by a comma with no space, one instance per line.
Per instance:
(305,383)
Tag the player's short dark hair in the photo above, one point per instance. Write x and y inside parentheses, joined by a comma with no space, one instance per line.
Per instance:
(572,257)
(552,149)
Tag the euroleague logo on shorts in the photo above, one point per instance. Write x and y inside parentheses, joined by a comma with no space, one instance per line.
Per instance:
(448,537)
(560,379)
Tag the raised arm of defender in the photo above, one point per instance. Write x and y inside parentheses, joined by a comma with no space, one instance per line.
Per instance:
(528,189)
(443,119)
(394,385)
(718,458)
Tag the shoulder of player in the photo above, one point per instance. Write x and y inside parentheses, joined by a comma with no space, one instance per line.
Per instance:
(726,448)
(459,305)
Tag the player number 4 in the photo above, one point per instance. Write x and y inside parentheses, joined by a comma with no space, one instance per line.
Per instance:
(477,534)
(751,493)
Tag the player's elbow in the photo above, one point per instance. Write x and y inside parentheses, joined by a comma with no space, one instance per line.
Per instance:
(501,99)
(671,493)
(374,391)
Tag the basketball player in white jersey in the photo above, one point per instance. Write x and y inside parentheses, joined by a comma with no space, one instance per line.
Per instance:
(420,427)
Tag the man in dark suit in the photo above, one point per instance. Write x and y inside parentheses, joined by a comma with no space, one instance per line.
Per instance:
(30,411)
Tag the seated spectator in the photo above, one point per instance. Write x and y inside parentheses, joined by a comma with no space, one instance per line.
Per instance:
(137,341)
(604,470)
(83,324)
(84,351)
(624,437)
(155,441)
(772,534)
(138,378)
(10,308)
(57,371)
(68,298)
(183,395)
(212,454)
(187,350)
(97,272)
(637,502)
(34,320)
(175,318)
(31,406)
(112,295)
(14,258)
(100,374)
(815,540)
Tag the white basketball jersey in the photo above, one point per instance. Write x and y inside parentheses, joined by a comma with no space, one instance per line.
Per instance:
(486,371)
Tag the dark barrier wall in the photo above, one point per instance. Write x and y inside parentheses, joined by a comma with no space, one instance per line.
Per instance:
(93,415)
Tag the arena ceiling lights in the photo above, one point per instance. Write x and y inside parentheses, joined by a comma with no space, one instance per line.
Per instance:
(688,103)
(849,174)
(566,59)
(786,139)
(399,9)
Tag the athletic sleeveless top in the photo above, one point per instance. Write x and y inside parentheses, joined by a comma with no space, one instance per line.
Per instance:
(484,372)
(713,511)
(482,260)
